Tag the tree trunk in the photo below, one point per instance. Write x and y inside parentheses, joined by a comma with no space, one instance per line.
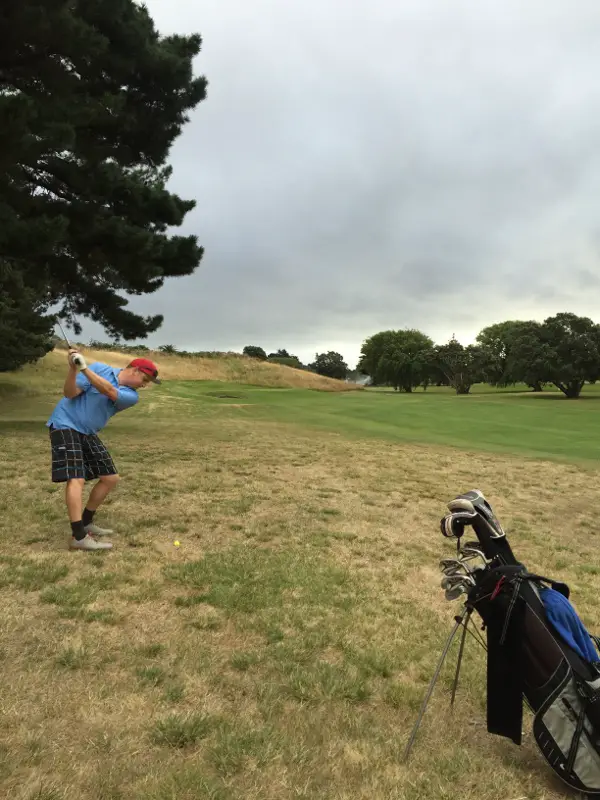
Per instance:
(536,387)
(463,388)
(572,389)
(407,389)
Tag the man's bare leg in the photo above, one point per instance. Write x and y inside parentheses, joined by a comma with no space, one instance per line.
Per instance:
(97,496)
(74,498)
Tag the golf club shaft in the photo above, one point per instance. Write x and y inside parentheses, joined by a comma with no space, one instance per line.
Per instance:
(76,358)
(64,335)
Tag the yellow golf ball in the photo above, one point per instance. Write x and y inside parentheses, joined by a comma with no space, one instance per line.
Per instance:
(176,543)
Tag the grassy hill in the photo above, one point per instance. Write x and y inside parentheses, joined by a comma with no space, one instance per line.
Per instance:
(282,650)
(229,368)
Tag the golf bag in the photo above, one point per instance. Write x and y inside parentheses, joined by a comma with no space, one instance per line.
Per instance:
(537,647)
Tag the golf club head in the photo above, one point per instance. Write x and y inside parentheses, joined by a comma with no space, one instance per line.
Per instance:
(477,566)
(453,525)
(454,594)
(473,566)
(450,566)
(475,501)
(461,504)
(451,581)
(473,553)
(472,546)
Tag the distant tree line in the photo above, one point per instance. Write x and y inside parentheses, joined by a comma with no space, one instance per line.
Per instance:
(563,351)
(330,364)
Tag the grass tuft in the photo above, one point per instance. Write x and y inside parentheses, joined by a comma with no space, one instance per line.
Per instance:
(72,658)
(181,731)
(29,575)
(151,676)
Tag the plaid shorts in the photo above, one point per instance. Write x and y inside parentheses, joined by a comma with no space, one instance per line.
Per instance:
(78,455)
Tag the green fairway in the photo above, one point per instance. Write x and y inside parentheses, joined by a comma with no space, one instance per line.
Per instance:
(282,647)
(542,425)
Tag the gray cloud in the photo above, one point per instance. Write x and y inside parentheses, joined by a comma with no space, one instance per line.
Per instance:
(381,164)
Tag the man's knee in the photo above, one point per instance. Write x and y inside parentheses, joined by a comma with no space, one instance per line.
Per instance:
(110,480)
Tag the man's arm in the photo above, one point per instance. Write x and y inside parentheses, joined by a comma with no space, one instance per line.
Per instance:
(103,386)
(72,389)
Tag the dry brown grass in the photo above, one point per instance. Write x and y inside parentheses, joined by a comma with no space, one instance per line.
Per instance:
(231,369)
(280,652)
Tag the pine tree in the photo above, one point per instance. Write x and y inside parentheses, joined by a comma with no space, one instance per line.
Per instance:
(91,101)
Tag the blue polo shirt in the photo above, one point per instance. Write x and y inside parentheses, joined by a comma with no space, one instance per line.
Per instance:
(90,411)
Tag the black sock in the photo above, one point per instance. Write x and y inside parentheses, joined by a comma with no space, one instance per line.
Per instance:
(88,516)
(78,530)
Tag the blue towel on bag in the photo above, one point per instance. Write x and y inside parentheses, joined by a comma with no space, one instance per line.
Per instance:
(564,619)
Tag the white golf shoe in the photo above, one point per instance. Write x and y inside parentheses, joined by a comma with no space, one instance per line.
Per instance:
(96,530)
(88,543)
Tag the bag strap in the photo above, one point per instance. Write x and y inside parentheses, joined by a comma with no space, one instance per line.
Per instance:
(558,586)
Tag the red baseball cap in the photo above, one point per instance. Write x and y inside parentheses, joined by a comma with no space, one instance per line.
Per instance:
(147,367)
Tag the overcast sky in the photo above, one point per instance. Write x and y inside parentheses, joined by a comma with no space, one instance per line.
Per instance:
(359,166)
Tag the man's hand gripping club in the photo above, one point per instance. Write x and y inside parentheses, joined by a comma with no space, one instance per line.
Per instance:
(77,360)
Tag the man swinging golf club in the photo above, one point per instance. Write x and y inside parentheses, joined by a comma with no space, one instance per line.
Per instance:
(92,395)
